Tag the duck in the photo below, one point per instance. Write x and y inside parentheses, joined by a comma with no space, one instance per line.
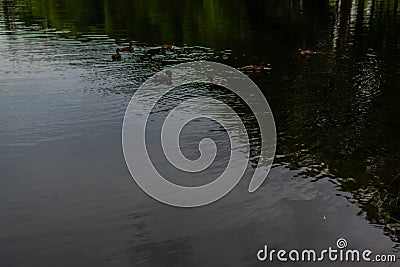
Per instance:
(164,78)
(257,68)
(306,52)
(166,47)
(212,84)
(127,48)
(117,55)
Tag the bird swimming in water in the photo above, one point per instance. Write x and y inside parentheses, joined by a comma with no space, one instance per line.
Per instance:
(213,84)
(117,55)
(164,78)
(256,68)
(306,52)
(127,48)
(166,47)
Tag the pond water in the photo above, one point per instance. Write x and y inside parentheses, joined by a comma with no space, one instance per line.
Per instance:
(66,195)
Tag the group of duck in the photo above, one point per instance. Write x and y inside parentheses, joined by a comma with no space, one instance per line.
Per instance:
(130,48)
(249,68)
(267,67)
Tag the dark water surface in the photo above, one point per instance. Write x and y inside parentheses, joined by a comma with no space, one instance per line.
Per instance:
(66,196)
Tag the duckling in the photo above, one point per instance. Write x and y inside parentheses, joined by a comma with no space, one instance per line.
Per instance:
(306,52)
(212,84)
(117,55)
(164,79)
(127,48)
(166,47)
(257,68)
(253,68)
